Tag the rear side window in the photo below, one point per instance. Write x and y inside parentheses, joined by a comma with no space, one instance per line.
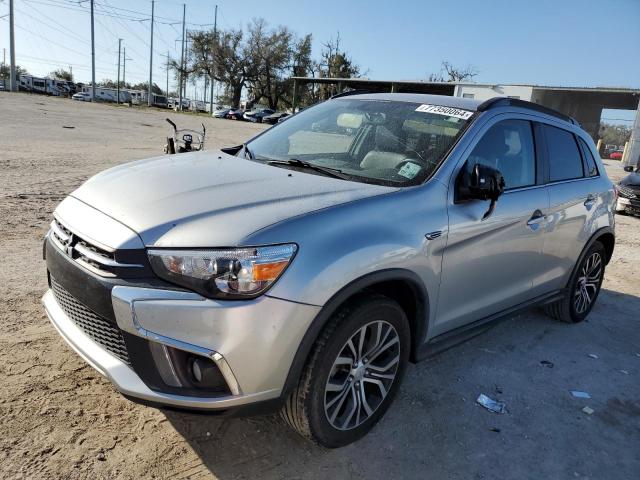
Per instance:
(565,162)
(592,168)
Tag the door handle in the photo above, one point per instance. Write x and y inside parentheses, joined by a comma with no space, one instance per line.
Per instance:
(590,201)
(537,219)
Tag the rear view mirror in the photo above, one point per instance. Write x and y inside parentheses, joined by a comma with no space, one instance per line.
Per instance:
(350,120)
(628,168)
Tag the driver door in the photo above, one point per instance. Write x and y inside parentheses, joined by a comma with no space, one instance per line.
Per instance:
(490,265)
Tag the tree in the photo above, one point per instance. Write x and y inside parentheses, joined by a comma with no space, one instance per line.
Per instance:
(614,134)
(450,73)
(62,74)
(335,63)
(108,83)
(271,57)
(223,56)
(145,87)
(5,71)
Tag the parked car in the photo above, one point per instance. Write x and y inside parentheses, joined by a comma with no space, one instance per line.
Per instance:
(82,96)
(222,113)
(629,192)
(235,114)
(274,117)
(617,155)
(304,269)
(257,115)
(197,106)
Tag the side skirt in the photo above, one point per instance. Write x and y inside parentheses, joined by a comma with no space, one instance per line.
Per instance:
(461,334)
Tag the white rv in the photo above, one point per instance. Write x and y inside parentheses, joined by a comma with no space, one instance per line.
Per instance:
(45,86)
(108,94)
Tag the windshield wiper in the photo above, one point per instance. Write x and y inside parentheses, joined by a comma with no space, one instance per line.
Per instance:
(296,162)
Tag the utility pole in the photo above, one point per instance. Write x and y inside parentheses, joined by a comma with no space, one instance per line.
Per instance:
(12,48)
(151,56)
(184,13)
(93,59)
(215,42)
(118,84)
(124,67)
(71,71)
(632,152)
(167,91)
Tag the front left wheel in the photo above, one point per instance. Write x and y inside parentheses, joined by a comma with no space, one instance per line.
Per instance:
(353,373)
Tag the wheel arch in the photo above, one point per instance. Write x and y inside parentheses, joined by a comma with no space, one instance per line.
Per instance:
(403,286)
(607,237)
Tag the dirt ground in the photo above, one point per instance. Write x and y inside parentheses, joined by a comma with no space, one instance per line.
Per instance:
(61,419)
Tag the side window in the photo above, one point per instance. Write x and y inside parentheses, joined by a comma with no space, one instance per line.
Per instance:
(565,162)
(508,146)
(592,168)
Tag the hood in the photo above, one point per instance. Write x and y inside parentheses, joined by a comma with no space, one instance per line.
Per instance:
(632,180)
(208,199)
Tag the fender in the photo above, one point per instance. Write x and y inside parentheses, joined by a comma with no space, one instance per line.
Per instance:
(418,333)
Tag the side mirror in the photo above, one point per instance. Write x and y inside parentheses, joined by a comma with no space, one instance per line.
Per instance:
(628,168)
(483,183)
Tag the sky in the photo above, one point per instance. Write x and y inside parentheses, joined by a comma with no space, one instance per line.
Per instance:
(544,42)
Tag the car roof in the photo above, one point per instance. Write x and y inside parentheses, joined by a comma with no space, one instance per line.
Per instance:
(458,102)
(444,100)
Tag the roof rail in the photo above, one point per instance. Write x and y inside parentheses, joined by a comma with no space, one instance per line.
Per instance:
(496,102)
(347,93)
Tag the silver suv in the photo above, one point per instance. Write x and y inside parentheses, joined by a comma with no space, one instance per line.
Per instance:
(303,270)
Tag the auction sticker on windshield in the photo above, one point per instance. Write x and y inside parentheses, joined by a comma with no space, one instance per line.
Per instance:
(446,111)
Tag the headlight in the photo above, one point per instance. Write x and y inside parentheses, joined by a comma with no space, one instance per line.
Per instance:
(224,273)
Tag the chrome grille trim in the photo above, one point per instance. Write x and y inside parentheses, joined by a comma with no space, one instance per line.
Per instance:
(96,327)
(97,259)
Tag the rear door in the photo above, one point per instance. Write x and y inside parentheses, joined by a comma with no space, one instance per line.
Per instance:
(574,203)
(489,265)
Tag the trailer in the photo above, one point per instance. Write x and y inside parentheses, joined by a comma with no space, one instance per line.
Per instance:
(159,100)
(108,94)
(44,86)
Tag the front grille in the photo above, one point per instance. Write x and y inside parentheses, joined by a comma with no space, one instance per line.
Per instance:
(99,329)
(97,259)
(628,191)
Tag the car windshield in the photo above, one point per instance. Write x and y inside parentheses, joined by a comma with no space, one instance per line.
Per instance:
(383,142)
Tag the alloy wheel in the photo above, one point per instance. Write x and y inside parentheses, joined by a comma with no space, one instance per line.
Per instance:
(588,282)
(362,375)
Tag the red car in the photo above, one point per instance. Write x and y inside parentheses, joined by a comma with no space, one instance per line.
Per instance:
(617,155)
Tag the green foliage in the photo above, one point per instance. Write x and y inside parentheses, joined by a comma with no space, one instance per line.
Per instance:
(262,60)
(614,134)
(5,71)
(62,74)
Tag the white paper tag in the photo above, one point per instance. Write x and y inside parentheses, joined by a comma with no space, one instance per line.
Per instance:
(409,170)
(445,111)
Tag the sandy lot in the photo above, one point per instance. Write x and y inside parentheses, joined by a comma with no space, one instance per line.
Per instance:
(60,419)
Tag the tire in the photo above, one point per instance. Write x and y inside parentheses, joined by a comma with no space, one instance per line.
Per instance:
(574,307)
(337,418)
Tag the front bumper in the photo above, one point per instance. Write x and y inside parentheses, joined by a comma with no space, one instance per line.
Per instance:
(624,204)
(252,342)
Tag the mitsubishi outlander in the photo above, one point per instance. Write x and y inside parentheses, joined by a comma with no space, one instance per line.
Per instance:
(303,270)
